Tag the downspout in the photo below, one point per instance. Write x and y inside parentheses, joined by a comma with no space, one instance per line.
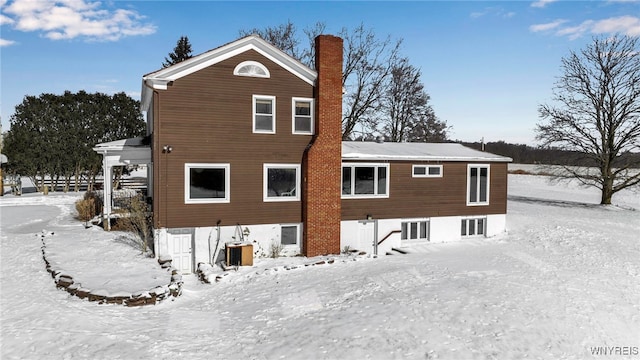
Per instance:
(156,168)
(304,189)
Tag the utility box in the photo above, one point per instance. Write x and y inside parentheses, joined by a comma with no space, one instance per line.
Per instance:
(239,254)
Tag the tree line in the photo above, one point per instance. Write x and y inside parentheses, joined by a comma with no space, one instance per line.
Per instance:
(52,136)
(526,154)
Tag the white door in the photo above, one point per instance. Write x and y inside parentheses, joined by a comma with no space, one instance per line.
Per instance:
(180,249)
(366,236)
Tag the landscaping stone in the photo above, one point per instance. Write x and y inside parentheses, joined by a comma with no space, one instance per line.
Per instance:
(64,281)
(151,297)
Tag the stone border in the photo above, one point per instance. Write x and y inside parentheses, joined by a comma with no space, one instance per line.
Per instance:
(153,296)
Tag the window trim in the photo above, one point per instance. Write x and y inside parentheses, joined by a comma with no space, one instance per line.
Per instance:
(418,221)
(293,115)
(187,183)
(375,195)
(475,219)
(273,113)
(265,180)
(236,70)
(478,202)
(426,175)
(298,236)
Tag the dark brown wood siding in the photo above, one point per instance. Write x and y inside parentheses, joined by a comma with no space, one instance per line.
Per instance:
(411,197)
(206,117)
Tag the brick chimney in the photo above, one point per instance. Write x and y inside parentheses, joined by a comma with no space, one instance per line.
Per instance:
(323,158)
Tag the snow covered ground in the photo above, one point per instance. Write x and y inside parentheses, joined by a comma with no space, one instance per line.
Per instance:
(563,283)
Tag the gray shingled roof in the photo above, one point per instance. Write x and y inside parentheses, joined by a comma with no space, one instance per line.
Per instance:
(365,150)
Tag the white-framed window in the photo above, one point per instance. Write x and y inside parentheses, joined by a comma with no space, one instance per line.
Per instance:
(264,114)
(415,230)
(477,184)
(206,183)
(290,235)
(473,227)
(302,119)
(426,171)
(281,182)
(251,69)
(365,180)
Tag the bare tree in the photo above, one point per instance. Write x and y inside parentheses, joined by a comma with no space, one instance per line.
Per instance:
(368,62)
(367,65)
(407,115)
(283,37)
(309,53)
(598,113)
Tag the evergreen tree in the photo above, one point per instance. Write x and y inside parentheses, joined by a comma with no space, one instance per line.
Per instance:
(180,53)
(53,135)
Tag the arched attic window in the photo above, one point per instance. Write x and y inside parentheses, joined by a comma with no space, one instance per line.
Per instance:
(252,69)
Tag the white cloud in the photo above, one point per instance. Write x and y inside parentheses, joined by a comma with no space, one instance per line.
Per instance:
(548,26)
(5,20)
(627,25)
(492,11)
(4,42)
(541,3)
(574,32)
(69,19)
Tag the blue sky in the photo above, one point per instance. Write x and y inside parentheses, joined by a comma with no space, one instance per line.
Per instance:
(487,65)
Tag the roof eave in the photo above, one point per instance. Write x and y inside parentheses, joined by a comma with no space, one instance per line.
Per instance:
(348,157)
(159,79)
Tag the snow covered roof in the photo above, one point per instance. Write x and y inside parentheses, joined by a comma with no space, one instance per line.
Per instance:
(161,78)
(366,150)
(120,144)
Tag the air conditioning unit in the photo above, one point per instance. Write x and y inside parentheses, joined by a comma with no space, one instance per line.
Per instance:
(239,254)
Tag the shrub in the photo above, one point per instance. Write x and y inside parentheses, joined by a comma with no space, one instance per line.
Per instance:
(137,220)
(89,206)
(275,249)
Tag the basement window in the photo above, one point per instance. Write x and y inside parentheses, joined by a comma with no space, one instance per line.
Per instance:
(289,235)
(414,230)
(473,227)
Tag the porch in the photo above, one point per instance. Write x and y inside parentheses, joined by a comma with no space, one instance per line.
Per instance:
(133,151)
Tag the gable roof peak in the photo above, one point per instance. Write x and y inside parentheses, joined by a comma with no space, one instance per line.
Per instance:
(160,79)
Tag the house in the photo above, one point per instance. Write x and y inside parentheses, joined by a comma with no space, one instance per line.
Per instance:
(246,146)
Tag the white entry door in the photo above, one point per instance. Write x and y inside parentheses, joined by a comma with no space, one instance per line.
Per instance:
(180,249)
(366,236)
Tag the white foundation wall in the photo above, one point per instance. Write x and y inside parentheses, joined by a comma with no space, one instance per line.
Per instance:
(206,240)
(444,228)
(160,244)
(496,224)
(349,235)
(441,229)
